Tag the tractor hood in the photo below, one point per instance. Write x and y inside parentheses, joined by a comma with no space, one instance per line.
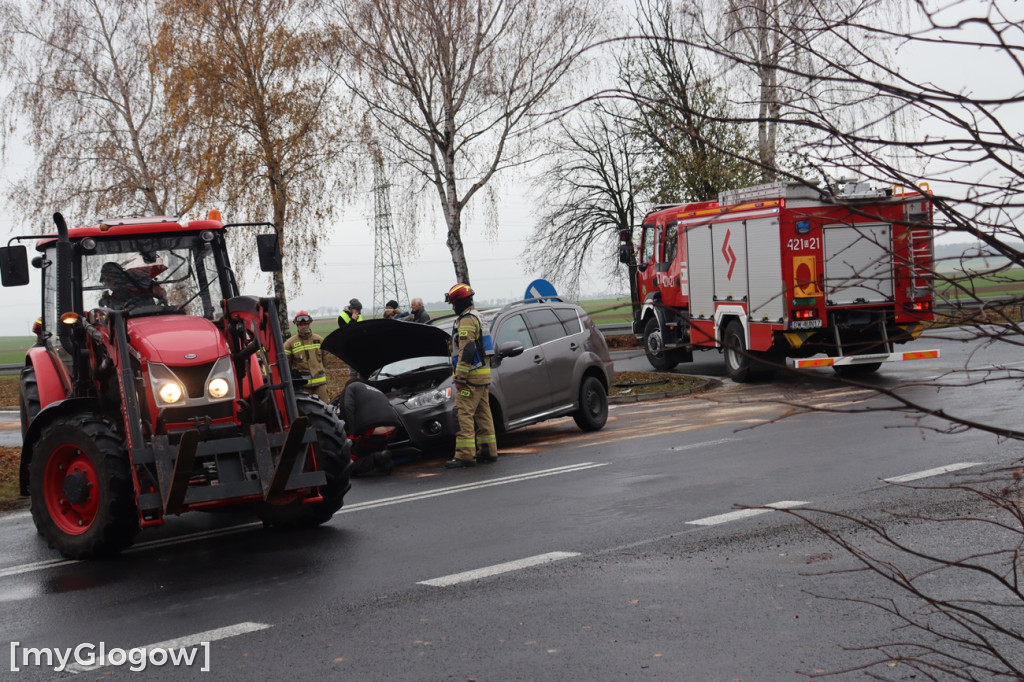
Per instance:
(368,346)
(177,340)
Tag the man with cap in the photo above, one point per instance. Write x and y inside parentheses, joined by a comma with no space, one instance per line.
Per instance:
(353,312)
(471,355)
(306,359)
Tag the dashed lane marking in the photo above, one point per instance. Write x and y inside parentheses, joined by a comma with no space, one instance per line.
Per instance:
(938,471)
(497,569)
(745,513)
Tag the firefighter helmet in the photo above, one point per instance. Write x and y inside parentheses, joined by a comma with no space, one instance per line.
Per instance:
(458,292)
(302,317)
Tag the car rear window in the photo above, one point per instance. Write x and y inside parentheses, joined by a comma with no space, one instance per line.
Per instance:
(570,320)
(545,325)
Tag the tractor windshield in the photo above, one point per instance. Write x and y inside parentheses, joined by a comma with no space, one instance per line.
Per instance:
(152,275)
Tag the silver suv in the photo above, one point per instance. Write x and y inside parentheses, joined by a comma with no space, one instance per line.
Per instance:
(550,361)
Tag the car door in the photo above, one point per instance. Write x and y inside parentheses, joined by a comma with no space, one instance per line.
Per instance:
(522,381)
(560,354)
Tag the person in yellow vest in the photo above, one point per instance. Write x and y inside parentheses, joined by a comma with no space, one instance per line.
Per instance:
(305,358)
(471,356)
(353,312)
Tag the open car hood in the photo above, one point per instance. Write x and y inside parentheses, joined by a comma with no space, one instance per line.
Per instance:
(367,346)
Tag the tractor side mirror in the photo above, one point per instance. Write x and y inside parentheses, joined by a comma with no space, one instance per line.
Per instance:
(269,252)
(14,265)
(624,253)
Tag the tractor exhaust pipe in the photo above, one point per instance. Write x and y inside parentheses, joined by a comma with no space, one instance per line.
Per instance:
(63,281)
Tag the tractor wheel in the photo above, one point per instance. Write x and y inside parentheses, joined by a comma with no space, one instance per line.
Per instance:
(332,456)
(28,398)
(654,347)
(593,411)
(83,501)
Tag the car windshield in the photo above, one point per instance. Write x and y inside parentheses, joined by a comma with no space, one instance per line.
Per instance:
(410,365)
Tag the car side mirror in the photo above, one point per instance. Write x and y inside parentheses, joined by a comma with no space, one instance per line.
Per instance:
(509,349)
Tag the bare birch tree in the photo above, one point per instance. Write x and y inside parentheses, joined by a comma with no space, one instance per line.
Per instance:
(247,72)
(456,86)
(91,108)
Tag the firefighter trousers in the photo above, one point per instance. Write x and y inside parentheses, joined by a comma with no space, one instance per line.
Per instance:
(476,427)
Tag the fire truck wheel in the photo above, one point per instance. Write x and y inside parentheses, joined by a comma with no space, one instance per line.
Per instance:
(737,359)
(332,456)
(593,412)
(83,501)
(654,346)
(29,398)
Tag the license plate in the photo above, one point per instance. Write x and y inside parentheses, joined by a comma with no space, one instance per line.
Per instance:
(805,324)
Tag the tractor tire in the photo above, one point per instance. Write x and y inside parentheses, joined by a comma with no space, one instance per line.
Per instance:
(28,398)
(593,411)
(83,500)
(332,456)
(654,347)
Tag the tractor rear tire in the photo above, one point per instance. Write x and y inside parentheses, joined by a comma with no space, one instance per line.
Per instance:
(83,500)
(332,456)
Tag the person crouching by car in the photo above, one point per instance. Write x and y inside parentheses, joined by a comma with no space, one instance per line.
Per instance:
(305,358)
(471,351)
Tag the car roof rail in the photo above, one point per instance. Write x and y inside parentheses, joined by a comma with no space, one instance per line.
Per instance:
(536,299)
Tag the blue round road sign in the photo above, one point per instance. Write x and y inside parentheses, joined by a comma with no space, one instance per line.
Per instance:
(540,289)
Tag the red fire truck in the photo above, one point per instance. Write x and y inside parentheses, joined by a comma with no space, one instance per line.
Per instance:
(787,271)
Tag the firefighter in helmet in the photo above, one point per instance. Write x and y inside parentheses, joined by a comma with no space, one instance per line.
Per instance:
(471,356)
(305,358)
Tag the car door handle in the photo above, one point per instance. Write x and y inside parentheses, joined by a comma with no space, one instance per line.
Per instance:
(574,346)
(537,359)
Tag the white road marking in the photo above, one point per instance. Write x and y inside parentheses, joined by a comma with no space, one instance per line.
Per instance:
(705,444)
(498,569)
(360,506)
(938,471)
(412,497)
(745,513)
(196,640)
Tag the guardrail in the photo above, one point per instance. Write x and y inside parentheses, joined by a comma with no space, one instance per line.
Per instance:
(618,328)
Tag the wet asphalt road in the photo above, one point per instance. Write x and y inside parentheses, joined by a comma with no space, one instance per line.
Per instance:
(577,556)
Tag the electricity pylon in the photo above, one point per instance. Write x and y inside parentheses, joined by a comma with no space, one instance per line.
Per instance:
(388,277)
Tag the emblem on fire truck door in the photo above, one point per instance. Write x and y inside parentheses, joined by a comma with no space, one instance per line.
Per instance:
(730,255)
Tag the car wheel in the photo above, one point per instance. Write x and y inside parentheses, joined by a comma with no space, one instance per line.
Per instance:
(593,411)
(654,347)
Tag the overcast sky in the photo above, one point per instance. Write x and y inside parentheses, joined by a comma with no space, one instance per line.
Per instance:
(494,256)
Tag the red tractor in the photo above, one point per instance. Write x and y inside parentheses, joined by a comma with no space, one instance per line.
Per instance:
(157,389)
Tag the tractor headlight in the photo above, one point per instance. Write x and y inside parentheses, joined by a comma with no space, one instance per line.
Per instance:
(218,387)
(170,392)
(436,397)
(220,384)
